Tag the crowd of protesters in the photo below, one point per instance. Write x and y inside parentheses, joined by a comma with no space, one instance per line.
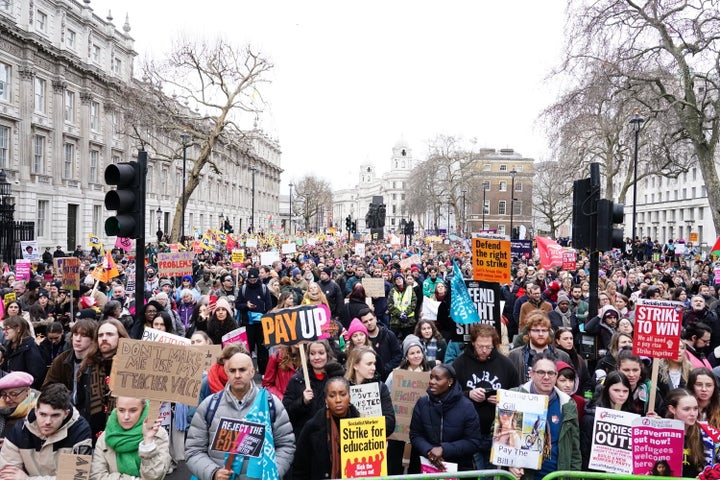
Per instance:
(58,347)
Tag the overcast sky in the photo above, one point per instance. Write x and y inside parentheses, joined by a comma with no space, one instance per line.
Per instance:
(353,78)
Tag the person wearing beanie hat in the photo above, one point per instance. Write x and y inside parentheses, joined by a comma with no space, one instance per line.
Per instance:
(562,315)
(254,299)
(410,341)
(603,326)
(357,334)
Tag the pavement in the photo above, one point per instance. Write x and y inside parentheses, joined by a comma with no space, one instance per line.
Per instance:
(180,473)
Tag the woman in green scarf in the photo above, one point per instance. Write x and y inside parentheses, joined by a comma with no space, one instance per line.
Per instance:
(131,447)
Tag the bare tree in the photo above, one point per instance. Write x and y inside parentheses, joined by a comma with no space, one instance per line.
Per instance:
(313,197)
(201,89)
(552,194)
(669,50)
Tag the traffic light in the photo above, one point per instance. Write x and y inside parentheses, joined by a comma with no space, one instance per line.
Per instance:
(584,199)
(609,213)
(353,227)
(227,228)
(126,199)
(348,223)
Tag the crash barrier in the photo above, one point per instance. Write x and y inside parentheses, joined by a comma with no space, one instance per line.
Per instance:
(505,475)
(602,476)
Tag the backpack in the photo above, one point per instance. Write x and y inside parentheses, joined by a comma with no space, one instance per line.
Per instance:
(215,402)
(244,289)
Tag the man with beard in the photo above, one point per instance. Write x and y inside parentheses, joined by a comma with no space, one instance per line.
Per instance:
(537,340)
(696,337)
(578,306)
(699,312)
(383,340)
(481,371)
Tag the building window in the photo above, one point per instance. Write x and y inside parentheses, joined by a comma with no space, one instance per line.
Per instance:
(94,116)
(117,66)
(6,5)
(69,106)
(518,186)
(116,121)
(503,186)
(517,207)
(503,167)
(5,82)
(70,38)
(43,206)
(38,166)
(164,180)
(40,85)
(41,21)
(96,219)
(486,167)
(4,146)
(502,207)
(68,160)
(501,229)
(95,53)
(94,162)
(115,159)
(518,168)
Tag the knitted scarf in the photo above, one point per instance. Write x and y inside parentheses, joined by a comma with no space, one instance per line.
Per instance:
(333,441)
(125,443)
(217,378)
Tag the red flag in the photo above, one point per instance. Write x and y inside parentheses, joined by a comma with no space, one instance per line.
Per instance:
(230,243)
(550,252)
(716,247)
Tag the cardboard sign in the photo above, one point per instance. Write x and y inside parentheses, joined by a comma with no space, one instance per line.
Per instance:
(197,247)
(374,287)
(406,263)
(611,449)
(267,258)
(360,249)
(407,388)
(657,328)
(288,248)
(293,325)
(486,297)
(73,467)
(491,260)
(657,438)
(440,247)
(362,447)
(153,335)
(22,270)
(159,371)
(175,264)
(238,258)
(239,335)
(568,260)
(69,270)
(366,398)
(519,435)
(251,243)
(239,437)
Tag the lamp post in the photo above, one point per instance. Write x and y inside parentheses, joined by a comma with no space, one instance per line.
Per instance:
(185,137)
(403,229)
(221,217)
(513,172)
(290,214)
(252,205)
(636,122)
(159,232)
(483,210)
(463,224)
(448,227)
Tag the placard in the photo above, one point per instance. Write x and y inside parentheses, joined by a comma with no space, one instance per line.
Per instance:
(160,371)
(362,447)
(293,325)
(521,248)
(251,243)
(441,247)
(693,237)
(124,243)
(30,251)
(569,261)
(69,270)
(238,258)
(407,388)
(654,438)
(366,398)
(239,437)
(491,260)
(175,264)
(657,328)
(406,263)
(374,287)
(360,249)
(239,335)
(519,435)
(73,467)
(611,449)
(153,335)
(288,248)
(268,258)
(23,270)
(486,297)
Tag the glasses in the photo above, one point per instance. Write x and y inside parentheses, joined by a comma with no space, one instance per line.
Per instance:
(539,330)
(5,329)
(545,373)
(12,395)
(705,342)
(483,348)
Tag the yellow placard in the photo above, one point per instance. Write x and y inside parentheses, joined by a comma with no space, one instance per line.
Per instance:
(362,447)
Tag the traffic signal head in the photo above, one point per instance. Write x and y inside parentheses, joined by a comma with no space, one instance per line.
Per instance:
(353,227)
(125,199)
(348,223)
(584,200)
(609,214)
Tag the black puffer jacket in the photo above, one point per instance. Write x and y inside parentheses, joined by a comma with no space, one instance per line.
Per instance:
(27,358)
(298,411)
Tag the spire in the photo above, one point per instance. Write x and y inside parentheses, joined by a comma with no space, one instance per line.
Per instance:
(126,27)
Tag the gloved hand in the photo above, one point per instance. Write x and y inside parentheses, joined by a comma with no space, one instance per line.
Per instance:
(403,317)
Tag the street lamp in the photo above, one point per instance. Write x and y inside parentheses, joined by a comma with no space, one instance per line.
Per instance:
(636,122)
(185,137)
(290,215)
(513,172)
(463,224)
(159,232)
(448,228)
(252,205)
(403,229)
(483,207)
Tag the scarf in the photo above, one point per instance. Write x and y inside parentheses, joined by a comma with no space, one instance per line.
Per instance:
(125,442)
(334,446)
(217,378)
(564,316)
(263,467)
(572,353)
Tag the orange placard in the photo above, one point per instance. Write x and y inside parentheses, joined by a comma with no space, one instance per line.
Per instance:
(694,237)
(491,260)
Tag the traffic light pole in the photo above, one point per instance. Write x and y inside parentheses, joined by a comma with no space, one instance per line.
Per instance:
(594,254)
(140,241)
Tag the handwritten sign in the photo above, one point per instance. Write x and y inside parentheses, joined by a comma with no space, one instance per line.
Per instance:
(124,243)
(362,447)
(153,335)
(657,328)
(292,325)
(374,287)
(360,249)
(159,371)
(73,467)
(611,441)
(175,264)
(655,438)
(69,269)
(406,263)
(407,388)
(366,398)
(239,437)
(491,260)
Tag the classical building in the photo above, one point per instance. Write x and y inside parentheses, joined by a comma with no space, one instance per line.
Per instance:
(355,201)
(61,68)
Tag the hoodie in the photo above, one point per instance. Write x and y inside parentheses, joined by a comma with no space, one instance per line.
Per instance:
(598,327)
(579,400)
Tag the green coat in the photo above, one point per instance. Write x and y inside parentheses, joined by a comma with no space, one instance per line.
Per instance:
(569,457)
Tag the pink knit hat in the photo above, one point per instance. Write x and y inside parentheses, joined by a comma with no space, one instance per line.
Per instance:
(356,326)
